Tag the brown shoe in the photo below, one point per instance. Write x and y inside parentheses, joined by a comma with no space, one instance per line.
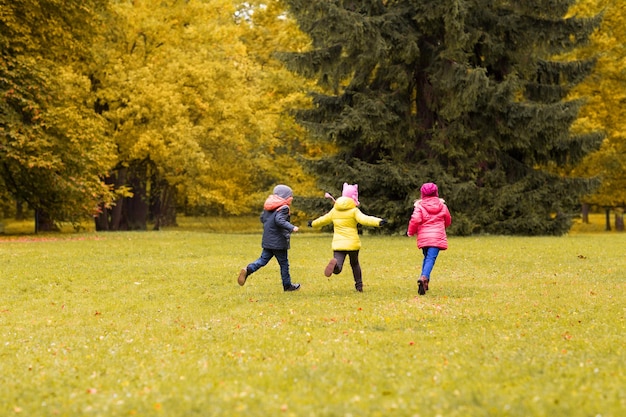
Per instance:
(328,271)
(243,275)
(422,285)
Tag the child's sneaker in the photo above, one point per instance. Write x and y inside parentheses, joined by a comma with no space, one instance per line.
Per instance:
(292,287)
(328,271)
(243,275)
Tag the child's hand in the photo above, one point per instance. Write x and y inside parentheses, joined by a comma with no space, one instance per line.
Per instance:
(296,228)
(383,222)
(310,223)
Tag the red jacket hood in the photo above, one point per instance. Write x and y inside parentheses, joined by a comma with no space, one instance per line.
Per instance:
(273,202)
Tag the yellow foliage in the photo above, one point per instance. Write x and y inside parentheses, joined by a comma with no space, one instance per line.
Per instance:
(199,94)
(605,95)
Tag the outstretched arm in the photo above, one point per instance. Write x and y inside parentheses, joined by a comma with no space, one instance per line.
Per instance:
(366,220)
(323,220)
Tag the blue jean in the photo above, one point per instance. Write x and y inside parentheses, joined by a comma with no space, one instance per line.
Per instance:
(430,256)
(266,256)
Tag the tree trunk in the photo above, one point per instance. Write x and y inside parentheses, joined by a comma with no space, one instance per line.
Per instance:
(44,223)
(619,220)
(136,208)
(19,210)
(163,207)
(585,213)
(607,211)
(111,218)
(102,220)
(152,200)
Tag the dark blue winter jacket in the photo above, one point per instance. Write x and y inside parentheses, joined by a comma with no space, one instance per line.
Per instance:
(276,228)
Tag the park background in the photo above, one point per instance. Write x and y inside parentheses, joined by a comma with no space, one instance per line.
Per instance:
(121,118)
(130,113)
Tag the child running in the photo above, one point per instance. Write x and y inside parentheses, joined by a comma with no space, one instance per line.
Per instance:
(429,221)
(345,216)
(275,242)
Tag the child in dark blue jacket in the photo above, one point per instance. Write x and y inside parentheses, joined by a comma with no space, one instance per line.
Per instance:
(277,231)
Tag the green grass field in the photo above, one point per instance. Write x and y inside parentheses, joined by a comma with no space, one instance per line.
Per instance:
(154,324)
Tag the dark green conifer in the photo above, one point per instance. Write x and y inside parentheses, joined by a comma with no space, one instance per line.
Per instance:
(461,93)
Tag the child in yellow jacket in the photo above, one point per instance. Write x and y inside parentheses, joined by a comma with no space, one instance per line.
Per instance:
(345,215)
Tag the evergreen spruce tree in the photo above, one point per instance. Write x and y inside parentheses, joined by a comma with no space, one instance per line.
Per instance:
(461,93)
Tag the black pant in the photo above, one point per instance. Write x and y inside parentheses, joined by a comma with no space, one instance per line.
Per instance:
(340,256)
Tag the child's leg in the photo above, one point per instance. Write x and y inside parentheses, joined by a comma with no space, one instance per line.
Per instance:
(266,256)
(356,270)
(283,261)
(335,265)
(430,256)
(340,257)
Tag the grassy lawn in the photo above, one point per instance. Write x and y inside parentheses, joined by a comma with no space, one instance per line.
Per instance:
(154,324)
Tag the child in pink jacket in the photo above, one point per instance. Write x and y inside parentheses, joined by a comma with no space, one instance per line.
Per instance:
(429,221)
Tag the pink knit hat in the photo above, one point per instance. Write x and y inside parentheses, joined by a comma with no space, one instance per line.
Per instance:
(351,191)
(429,189)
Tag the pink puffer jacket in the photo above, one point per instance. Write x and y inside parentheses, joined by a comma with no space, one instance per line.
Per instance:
(429,221)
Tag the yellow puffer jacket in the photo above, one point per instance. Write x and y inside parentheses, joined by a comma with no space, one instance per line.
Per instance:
(344,216)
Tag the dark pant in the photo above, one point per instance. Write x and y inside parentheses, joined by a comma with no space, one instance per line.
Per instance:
(283,261)
(340,256)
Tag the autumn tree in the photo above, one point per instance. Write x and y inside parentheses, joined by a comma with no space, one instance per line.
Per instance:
(52,152)
(266,30)
(462,93)
(604,92)
(196,117)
